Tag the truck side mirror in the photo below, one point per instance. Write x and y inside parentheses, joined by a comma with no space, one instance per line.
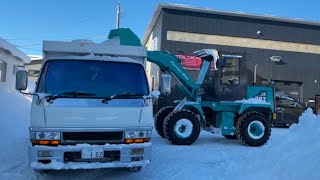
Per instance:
(21,80)
(165,84)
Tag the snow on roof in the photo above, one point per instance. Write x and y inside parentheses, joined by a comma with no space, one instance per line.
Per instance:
(14,51)
(35,57)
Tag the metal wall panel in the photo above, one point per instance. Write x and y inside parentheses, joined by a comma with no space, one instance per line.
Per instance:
(240,27)
(296,67)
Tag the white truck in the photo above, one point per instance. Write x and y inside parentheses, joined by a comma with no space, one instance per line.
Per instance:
(92,107)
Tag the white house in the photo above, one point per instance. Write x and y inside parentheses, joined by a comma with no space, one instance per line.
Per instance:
(34,67)
(11,59)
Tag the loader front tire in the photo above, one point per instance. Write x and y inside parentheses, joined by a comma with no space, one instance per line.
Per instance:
(182,127)
(253,129)
(159,119)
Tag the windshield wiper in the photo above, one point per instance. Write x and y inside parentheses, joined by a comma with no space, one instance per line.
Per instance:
(122,96)
(68,94)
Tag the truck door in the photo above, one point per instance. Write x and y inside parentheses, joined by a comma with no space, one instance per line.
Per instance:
(233,79)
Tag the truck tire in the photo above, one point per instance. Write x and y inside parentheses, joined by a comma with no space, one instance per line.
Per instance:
(182,127)
(230,136)
(135,169)
(159,119)
(253,129)
(41,171)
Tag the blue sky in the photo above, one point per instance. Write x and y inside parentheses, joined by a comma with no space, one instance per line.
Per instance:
(26,23)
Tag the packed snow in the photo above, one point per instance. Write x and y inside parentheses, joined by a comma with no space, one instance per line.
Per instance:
(252,101)
(290,154)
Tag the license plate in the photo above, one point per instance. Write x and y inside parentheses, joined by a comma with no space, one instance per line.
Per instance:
(92,153)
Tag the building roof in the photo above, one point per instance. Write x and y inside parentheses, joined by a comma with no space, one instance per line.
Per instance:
(34,62)
(14,51)
(159,8)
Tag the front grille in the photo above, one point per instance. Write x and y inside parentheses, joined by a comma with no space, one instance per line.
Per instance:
(109,156)
(93,136)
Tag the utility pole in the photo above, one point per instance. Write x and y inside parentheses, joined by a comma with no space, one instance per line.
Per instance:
(118,15)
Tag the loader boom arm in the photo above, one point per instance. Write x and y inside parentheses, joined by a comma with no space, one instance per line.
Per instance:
(170,63)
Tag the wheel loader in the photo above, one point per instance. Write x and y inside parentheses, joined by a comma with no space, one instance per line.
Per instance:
(247,120)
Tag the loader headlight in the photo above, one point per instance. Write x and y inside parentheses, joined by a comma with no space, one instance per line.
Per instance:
(48,135)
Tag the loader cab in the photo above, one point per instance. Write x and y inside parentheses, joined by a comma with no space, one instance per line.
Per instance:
(228,83)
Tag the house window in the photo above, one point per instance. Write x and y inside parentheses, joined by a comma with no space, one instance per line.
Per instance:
(230,73)
(154,43)
(3,71)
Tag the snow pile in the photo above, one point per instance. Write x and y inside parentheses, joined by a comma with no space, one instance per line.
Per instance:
(14,123)
(14,51)
(293,156)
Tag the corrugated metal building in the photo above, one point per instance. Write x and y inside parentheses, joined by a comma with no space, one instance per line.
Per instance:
(286,51)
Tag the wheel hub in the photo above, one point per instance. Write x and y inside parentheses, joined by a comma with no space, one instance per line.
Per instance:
(256,129)
(183,128)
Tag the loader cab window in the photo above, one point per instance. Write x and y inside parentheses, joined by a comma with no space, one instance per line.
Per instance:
(230,73)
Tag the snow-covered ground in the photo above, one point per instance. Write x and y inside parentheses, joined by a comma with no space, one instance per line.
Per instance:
(290,154)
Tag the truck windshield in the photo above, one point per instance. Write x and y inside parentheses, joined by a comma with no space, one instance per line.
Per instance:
(102,78)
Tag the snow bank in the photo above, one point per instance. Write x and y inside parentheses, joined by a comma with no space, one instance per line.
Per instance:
(14,51)
(293,156)
(14,123)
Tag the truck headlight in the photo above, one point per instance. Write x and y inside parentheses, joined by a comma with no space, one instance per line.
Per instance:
(48,135)
(136,134)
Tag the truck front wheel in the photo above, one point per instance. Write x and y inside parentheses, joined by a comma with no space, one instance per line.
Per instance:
(135,169)
(253,129)
(182,127)
(159,119)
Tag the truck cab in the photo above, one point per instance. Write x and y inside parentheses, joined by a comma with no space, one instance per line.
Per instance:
(92,107)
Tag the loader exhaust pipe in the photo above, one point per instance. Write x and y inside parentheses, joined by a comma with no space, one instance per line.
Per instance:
(255,75)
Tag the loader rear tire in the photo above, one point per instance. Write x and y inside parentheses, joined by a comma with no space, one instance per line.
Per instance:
(182,127)
(160,117)
(253,129)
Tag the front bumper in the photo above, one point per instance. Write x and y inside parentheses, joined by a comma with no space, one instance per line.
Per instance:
(58,159)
